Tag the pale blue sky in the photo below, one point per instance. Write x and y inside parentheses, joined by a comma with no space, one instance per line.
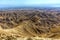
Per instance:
(6,3)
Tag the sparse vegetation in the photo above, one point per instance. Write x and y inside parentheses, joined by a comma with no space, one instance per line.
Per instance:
(29,23)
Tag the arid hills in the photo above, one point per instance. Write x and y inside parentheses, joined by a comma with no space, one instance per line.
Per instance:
(30,23)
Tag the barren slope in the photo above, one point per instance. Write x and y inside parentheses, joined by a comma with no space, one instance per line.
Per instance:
(30,23)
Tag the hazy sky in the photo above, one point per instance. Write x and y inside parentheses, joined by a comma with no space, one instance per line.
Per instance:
(6,3)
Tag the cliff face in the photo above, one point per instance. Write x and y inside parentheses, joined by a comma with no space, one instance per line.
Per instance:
(31,23)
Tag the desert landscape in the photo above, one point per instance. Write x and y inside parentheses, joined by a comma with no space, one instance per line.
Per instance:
(29,24)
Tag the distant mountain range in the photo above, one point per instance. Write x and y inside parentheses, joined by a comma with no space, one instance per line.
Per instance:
(25,7)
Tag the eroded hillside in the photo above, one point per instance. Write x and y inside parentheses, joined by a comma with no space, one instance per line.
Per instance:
(30,23)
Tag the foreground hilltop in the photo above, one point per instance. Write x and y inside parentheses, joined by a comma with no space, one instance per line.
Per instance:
(30,23)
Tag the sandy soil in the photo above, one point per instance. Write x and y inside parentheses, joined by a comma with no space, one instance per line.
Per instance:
(29,25)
